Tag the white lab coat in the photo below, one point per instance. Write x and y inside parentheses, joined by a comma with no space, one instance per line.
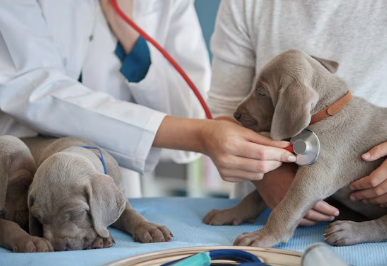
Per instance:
(46,44)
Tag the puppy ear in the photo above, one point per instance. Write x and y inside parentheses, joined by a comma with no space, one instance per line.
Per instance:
(332,66)
(35,227)
(292,111)
(106,202)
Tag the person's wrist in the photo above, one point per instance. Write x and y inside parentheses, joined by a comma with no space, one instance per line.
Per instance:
(204,129)
(226,118)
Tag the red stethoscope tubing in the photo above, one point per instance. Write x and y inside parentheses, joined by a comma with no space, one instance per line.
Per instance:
(166,55)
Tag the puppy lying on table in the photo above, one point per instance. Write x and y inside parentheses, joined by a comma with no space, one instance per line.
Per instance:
(296,91)
(71,199)
(17,169)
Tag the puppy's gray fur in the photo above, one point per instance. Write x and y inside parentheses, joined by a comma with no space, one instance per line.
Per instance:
(72,202)
(290,89)
(17,169)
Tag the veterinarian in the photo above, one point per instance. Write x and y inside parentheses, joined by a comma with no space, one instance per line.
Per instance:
(250,33)
(74,68)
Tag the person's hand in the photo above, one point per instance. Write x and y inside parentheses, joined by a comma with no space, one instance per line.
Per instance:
(124,32)
(274,186)
(241,154)
(373,188)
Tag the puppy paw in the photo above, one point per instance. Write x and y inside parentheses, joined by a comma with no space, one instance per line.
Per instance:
(261,238)
(343,233)
(226,217)
(102,242)
(28,243)
(149,233)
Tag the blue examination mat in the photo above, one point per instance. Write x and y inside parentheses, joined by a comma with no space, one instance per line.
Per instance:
(183,216)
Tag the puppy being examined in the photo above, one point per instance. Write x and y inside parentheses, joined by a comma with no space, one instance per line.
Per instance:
(71,201)
(287,93)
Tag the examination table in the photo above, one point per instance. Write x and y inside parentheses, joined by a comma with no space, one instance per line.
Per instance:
(183,216)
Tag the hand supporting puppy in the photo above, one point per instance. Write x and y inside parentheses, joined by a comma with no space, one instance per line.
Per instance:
(373,188)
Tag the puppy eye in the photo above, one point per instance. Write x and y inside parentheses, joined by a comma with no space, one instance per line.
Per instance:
(261,93)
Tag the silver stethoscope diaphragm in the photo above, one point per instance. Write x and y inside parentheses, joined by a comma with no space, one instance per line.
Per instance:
(306,146)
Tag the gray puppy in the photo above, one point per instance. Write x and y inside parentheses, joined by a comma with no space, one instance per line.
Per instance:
(71,201)
(290,89)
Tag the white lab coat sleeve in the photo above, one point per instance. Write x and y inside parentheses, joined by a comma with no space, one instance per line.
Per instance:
(233,65)
(35,90)
(163,88)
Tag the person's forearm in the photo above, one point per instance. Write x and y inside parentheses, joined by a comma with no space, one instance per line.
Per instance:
(125,34)
(226,118)
(181,134)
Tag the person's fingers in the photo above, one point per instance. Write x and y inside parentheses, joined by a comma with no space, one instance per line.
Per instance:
(318,216)
(325,208)
(250,165)
(260,139)
(230,175)
(370,193)
(381,200)
(306,222)
(378,176)
(376,152)
(264,153)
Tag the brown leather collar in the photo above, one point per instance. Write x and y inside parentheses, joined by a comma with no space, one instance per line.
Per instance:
(332,109)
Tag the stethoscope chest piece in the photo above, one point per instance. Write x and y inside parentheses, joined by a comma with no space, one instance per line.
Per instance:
(306,146)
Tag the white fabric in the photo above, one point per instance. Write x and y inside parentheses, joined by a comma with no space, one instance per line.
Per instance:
(44,46)
(249,33)
(131,183)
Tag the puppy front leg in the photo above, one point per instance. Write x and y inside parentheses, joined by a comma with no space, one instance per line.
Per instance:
(310,185)
(141,230)
(13,237)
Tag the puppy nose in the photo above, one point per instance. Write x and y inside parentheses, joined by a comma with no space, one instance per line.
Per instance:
(237,115)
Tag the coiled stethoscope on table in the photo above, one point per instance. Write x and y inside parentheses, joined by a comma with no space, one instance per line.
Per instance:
(305,145)
(318,254)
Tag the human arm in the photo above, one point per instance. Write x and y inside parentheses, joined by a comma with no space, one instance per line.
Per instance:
(372,189)
(175,26)
(237,152)
(125,34)
(37,90)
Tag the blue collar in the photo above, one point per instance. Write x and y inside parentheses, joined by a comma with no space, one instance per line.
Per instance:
(100,152)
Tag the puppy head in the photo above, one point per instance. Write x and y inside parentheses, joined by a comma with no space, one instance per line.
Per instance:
(17,168)
(71,203)
(285,93)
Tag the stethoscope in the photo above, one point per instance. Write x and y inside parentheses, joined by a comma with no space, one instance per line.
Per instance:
(306,146)
(206,258)
(317,254)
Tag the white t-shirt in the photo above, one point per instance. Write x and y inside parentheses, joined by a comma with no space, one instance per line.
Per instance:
(249,33)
